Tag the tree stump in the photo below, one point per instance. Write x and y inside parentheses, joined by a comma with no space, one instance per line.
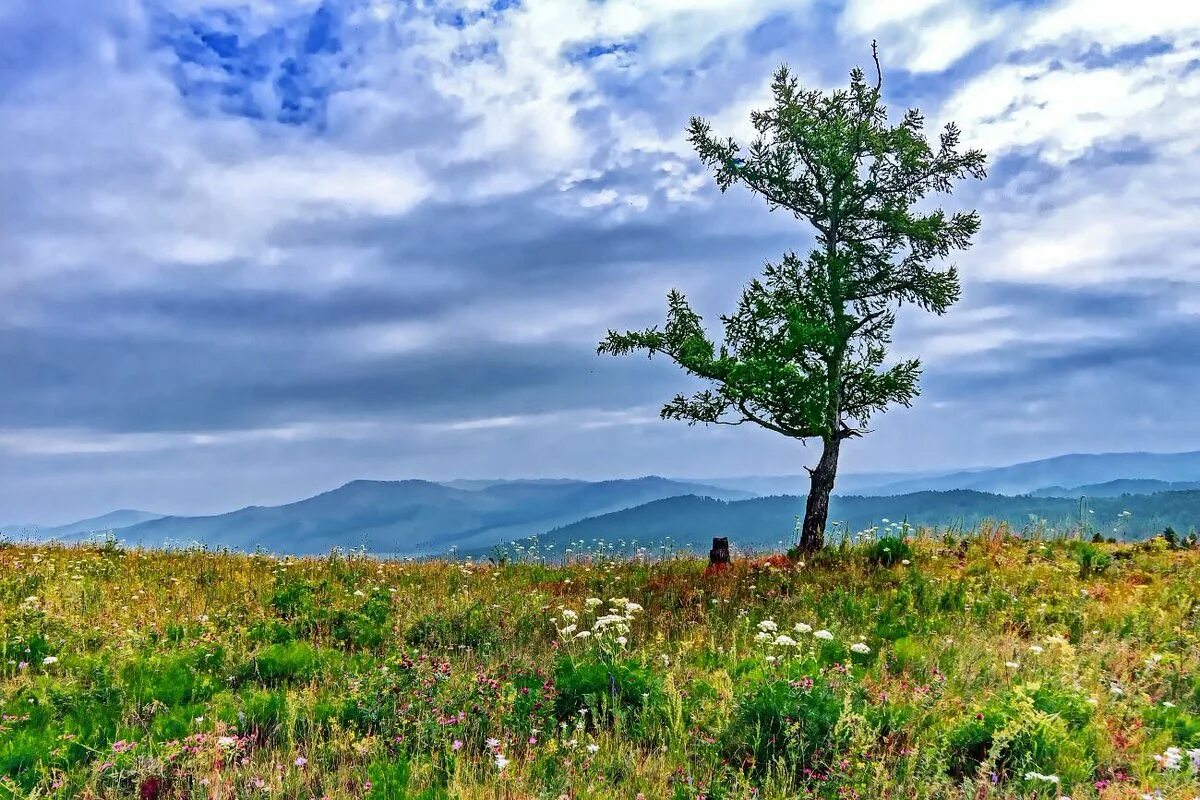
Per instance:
(719,555)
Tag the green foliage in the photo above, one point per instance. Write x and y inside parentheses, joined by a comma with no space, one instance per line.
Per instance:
(289,662)
(804,353)
(470,627)
(991,660)
(1093,560)
(784,724)
(391,779)
(888,551)
(1032,728)
(600,689)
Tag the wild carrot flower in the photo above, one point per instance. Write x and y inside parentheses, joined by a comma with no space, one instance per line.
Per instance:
(824,635)
(860,647)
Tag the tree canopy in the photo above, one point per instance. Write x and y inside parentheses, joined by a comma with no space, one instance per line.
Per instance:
(805,351)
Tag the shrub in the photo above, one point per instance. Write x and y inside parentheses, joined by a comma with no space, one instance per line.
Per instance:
(289,662)
(784,723)
(390,779)
(888,551)
(602,688)
(471,627)
(1033,728)
(1092,560)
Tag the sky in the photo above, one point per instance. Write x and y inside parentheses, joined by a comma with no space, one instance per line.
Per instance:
(252,250)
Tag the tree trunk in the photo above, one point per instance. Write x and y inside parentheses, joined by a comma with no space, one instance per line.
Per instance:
(816,511)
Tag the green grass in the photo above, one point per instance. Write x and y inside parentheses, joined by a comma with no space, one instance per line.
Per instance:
(983,667)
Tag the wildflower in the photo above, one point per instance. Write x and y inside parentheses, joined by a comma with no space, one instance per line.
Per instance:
(1116,690)
(801,627)
(1171,760)
(501,762)
(300,761)
(785,641)
(762,636)
(1037,650)
(48,660)
(621,640)
(492,744)
(593,748)
(768,625)
(1012,664)
(458,745)
(1037,776)
(860,647)
(569,615)
(905,562)
(583,634)
(824,635)
(592,602)
(226,741)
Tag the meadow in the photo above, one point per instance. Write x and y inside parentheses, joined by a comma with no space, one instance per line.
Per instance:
(984,666)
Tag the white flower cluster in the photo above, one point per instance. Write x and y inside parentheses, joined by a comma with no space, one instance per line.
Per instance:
(608,631)
(768,635)
(1172,759)
(1037,776)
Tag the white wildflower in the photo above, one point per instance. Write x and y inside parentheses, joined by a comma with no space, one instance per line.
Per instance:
(860,647)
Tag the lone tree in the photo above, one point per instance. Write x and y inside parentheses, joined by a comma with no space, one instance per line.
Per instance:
(805,352)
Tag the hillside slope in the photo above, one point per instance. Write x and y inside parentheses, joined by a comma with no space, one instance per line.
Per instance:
(768,522)
(412,517)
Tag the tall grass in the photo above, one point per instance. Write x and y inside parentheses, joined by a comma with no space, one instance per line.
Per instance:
(909,665)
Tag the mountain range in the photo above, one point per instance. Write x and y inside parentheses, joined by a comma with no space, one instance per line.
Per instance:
(417,517)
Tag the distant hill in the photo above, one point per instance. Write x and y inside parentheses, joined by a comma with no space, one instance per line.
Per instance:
(765,522)
(112,521)
(847,483)
(413,517)
(1117,488)
(1067,470)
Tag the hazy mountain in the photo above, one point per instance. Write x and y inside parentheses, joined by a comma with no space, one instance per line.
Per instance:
(848,483)
(112,521)
(1068,470)
(765,522)
(1117,488)
(413,517)
(471,484)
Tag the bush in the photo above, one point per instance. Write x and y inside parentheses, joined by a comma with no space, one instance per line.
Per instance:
(602,688)
(1092,560)
(789,724)
(888,551)
(1035,728)
(471,627)
(289,662)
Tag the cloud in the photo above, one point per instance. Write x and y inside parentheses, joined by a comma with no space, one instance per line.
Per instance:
(252,249)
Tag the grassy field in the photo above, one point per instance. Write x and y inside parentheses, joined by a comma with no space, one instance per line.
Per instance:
(984,668)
